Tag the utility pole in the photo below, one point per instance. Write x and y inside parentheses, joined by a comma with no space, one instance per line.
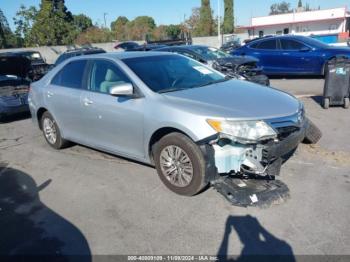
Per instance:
(104,17)
(219,24)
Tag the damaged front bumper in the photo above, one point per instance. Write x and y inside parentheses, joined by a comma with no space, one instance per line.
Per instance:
(230,167)
(225,156)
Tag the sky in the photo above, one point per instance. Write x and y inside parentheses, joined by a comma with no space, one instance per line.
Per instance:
(163,11)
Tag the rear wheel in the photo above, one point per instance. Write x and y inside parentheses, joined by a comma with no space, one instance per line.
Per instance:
(326,103)
(52,132)
(180,164)
(346,102)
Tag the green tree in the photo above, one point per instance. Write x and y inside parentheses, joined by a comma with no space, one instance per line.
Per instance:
(140,27)
(300,4)
(94,35)
(192,23)
(280,8)
(160,32)
(53,24)
(119,28)
(205,27)
(24,20)
(307,7)
(7,38)
(82,22)
(228,25)
(173,31)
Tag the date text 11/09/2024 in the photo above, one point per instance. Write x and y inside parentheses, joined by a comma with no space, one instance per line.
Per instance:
(173,258)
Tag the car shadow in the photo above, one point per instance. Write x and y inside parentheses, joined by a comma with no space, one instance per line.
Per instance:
(29,229)
(13,118)
(258,243)
(318,100)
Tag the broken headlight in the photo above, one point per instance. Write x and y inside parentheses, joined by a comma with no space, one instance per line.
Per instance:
(243,131)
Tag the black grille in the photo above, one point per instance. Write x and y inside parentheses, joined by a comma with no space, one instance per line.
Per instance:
(284,132)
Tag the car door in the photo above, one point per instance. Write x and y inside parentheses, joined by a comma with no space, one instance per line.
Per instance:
(63,99)
(299,58)
(112,123)
(268,54)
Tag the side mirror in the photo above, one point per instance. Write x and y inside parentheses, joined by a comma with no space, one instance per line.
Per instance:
(126,89)
(305,49)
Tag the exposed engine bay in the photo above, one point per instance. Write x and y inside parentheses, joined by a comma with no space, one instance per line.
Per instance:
(242,67)
(244,173)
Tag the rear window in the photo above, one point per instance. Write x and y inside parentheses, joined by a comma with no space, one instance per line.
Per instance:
(71,75)
(291,45)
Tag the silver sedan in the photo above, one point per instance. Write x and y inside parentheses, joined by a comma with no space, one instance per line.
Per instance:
(170,111)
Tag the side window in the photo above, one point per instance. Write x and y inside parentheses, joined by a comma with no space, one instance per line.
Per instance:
(291,45)
(71,75)
(269,44)
(104,75)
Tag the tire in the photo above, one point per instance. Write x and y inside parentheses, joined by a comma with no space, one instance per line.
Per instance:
(178,141)
(313,134)
(346,102)
(58,142)
(326,103)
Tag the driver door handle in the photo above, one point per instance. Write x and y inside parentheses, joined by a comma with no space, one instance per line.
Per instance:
(87,101)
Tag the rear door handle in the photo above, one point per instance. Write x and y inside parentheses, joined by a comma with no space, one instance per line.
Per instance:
(87,101)
(49,94)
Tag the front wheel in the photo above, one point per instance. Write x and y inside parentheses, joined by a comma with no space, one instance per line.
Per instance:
(180,164)
(52,132)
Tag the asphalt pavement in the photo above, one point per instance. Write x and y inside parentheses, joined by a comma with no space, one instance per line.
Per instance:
(81,201)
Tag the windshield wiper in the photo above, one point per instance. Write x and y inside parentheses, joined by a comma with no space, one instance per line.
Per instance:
(172,89)
(214,82)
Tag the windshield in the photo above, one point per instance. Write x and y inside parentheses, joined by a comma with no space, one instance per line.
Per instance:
(168,73)
(210,53)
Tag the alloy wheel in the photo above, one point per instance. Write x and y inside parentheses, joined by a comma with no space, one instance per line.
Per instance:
(176,166)
(50,130)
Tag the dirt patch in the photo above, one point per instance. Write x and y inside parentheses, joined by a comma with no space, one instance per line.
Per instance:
(339,157)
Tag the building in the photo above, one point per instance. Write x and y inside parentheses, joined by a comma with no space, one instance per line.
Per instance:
(329,25)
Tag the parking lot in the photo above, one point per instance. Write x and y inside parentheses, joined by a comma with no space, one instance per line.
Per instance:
(81,201)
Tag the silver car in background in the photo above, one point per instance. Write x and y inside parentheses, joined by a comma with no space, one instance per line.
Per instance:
(170,111)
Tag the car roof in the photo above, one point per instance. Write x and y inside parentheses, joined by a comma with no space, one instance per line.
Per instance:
(298,37)
(123,55)
(83,50)
(184,47)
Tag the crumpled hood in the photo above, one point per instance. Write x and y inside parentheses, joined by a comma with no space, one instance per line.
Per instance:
(234,99)
(14,65)
(237,60)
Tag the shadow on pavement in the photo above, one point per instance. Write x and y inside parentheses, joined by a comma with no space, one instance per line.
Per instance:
(318,100)
(13,118)
(258,243)
(29,228)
